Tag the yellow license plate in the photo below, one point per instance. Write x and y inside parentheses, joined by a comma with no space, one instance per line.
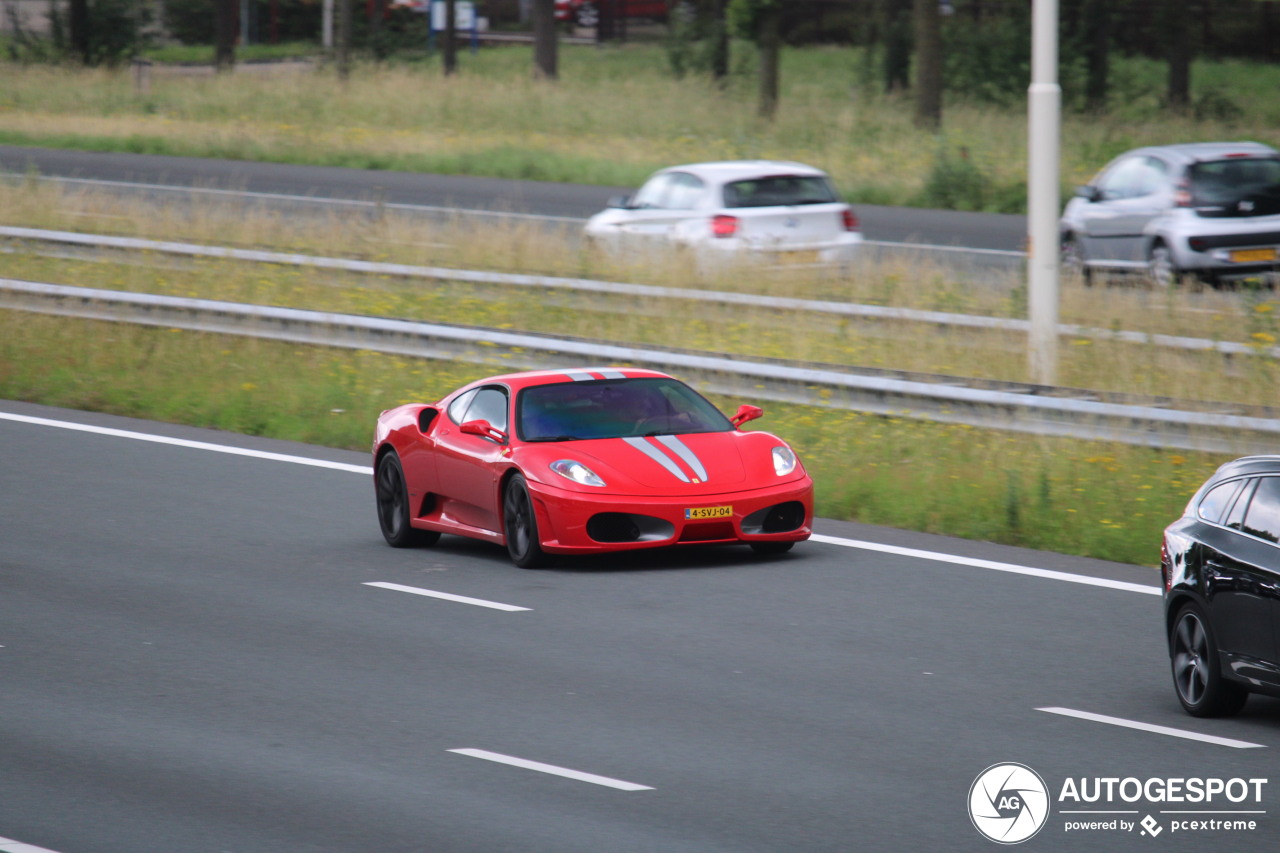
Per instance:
(1252,256)
(701,512)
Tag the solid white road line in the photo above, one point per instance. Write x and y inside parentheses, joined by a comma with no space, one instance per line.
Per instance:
(987,564)
(8,845)
(934,556)
(1148,727)
(552,769)
(460,599)
(193,445)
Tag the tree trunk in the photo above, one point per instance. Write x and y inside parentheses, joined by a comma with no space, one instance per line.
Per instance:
(720,43)
(344,39)
(78,29)
(1097,47)
(449,47)
(928,31)
(897,47)
(224,54)
(769,44)
(1178,33)
(544,39)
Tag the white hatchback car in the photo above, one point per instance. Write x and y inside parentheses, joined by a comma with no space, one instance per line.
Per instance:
(750,209)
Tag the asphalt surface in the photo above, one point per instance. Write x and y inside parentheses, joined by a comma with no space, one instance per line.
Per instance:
(191,659)
(1000,232)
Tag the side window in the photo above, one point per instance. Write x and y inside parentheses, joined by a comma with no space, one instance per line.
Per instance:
(686,190)
(489,404)
(654,192)
(1235,515)
(1150,177)
(1263,517)
(1215,503)
(458,408)
(1116,182)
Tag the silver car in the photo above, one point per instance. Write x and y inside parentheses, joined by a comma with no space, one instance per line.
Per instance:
(1206,210)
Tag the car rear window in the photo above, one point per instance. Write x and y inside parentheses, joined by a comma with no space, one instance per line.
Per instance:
(1240,185)
(779,190)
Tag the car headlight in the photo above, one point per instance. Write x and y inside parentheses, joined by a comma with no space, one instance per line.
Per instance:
(579,473)
(784,461)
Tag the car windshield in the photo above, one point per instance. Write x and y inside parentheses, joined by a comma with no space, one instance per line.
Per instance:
(779,190)
(1227,182)
(614,408)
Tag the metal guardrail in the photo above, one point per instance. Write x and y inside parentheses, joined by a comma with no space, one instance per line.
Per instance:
(1028,409)
(751,300)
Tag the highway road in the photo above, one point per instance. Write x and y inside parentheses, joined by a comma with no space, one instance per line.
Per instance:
(273,183)
(206,646)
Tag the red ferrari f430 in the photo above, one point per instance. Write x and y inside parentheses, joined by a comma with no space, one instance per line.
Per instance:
(585,461)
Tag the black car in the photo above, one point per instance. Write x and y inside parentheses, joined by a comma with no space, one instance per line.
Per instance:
(1221,568)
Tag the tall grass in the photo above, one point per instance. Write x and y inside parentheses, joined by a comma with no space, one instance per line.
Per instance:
(616,115)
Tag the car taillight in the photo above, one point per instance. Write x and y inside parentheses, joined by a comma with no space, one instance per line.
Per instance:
(724,225)
(850,219)
(1182,194)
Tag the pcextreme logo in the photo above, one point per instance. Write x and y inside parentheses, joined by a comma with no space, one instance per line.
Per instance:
(1008,803)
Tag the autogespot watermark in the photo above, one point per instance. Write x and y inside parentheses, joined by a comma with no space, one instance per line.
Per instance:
(1009,803)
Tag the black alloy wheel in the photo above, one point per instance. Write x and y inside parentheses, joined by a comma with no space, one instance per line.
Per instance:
(1197,674)
(393,506)
(521,525)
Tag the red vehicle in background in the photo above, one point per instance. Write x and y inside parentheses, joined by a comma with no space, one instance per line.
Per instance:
(586,13)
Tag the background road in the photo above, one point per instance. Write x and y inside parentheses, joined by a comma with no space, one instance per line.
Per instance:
(191,659)
(1001,232)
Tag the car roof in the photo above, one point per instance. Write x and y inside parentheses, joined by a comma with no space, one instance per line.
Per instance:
(1192,152)
(529,378)
(724,171)
(1261,464)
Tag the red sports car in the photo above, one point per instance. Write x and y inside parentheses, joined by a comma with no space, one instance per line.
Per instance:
(585,461)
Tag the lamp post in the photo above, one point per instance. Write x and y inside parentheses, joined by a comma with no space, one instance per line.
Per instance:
(1044,108)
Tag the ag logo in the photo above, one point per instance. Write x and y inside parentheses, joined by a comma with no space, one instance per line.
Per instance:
(1008,803)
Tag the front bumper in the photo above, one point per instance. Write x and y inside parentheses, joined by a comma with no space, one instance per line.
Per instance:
(571,522)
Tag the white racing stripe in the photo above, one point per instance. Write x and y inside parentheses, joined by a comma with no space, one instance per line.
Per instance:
(447,596)
(1012,568)
(1150,727)
(552,769)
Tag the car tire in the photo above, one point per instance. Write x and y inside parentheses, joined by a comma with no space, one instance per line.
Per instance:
(1161,269)
(520,524)
(768,549)
(1073,260)
(392,496)
(1197,672)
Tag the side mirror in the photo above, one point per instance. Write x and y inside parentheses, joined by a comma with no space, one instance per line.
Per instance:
(1089,192)
(485,430)
(745,413)
(619,201)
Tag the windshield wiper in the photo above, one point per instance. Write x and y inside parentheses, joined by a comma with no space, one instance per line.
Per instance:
(556,438)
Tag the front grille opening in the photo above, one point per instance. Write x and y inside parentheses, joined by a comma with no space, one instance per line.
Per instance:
(779,518)
(628,527)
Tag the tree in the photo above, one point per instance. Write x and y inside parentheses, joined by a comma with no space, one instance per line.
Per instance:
(449,44)
(897,46)
(78,29)
(928,31)
(224,50)
(761,22)
(544,39)
(1178,33)
(1097,50)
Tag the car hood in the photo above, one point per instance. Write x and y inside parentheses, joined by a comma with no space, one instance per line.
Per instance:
(693,464)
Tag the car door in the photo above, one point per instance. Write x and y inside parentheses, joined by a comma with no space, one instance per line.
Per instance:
(1241,567)
(1127,196)
(468,466)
